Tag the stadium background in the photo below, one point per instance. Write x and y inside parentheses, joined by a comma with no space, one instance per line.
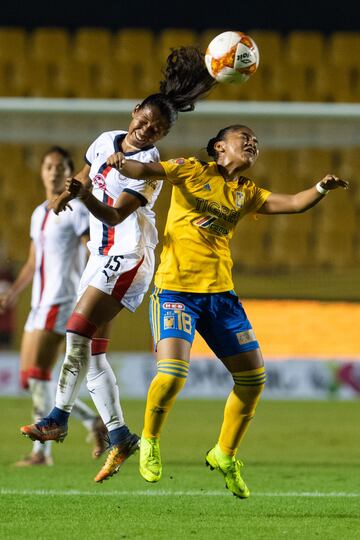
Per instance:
(303,59)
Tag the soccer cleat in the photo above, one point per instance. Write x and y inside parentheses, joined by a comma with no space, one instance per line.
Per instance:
(99,435)
(45,430)
(230,469)
(35,459)
(150,459)
(118,454)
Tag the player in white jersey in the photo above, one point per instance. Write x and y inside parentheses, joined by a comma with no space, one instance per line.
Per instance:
(56,260)
(122,241)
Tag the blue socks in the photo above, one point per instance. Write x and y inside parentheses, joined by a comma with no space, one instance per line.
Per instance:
(118,435)
(59,416)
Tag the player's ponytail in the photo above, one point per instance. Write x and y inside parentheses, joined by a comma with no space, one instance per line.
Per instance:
(186,80)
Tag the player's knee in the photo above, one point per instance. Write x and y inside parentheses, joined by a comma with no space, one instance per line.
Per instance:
(248,387)
(172,375)
(80,325)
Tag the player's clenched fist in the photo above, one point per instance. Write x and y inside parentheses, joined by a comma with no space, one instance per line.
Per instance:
(333,182)
(116,160)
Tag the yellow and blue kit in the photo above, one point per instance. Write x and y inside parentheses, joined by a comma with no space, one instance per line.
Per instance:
(195,264)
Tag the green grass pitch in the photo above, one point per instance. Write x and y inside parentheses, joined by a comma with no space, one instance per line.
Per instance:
(301,464)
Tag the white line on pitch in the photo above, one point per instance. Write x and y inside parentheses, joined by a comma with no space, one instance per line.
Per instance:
(163,493)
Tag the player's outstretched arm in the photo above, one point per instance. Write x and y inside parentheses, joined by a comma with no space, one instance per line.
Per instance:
(281,203)
(135,169)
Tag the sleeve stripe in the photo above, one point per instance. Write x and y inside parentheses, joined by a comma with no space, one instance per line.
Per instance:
(141,198)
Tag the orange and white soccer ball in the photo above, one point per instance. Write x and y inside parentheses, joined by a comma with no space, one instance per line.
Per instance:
(232,57)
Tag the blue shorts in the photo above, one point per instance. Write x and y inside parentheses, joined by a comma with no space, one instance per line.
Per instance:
(218,317)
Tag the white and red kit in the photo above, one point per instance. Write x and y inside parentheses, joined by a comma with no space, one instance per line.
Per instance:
(60,261)
(122,257)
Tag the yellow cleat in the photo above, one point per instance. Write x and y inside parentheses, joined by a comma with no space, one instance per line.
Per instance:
(230,469)
(117,455)
(150,460)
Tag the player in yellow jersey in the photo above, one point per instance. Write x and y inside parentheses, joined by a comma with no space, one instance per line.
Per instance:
(194,287)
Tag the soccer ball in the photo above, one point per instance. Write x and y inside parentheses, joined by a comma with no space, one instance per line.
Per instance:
(232,57)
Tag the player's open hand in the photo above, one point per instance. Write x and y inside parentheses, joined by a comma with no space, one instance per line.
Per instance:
(116,160)
(333,182)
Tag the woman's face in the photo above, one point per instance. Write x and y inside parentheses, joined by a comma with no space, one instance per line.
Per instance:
(54,171)
(146,127)
(241,145)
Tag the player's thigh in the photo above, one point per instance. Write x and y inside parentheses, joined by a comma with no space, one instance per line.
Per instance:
(175,348)
(97,306)
(103,331)
(244,361)
(111,282)
(173,317)
(27,350)
(47,346)
(225,327)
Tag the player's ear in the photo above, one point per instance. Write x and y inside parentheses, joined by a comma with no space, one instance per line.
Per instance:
(219,146)
(136,109)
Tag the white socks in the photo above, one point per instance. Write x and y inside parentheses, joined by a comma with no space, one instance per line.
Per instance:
(73,370)
(101,383)
(42,393)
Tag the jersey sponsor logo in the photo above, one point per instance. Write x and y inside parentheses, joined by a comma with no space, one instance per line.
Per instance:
(240,199)
(210,223)
(217,209)
(207,187)
(99,181)
(173,305)
(246,337)
(205,221)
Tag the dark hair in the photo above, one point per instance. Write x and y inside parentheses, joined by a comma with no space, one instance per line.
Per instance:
(63,153)
(220,137)
(186,80)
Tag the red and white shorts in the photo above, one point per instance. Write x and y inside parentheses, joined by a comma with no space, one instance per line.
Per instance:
(52,318)
(125,277)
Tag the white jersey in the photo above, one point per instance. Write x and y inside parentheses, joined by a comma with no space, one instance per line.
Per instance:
(138,230)
(60,256)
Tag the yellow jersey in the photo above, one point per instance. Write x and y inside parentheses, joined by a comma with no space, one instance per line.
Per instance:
(202,217)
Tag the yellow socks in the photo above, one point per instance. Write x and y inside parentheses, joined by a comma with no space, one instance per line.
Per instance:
(165,386)
(240,408)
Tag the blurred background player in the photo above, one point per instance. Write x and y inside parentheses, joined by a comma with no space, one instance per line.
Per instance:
(123,237)
(56,259)
(194,287)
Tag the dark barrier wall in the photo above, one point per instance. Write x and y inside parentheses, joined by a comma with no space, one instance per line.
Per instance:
(326,16)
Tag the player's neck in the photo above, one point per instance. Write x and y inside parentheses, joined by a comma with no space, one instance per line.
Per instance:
(231,172)
(126,146)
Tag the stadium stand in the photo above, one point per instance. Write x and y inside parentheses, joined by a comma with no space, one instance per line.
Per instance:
(98,63)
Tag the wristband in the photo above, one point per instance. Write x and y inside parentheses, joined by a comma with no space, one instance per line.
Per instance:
(321,189)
